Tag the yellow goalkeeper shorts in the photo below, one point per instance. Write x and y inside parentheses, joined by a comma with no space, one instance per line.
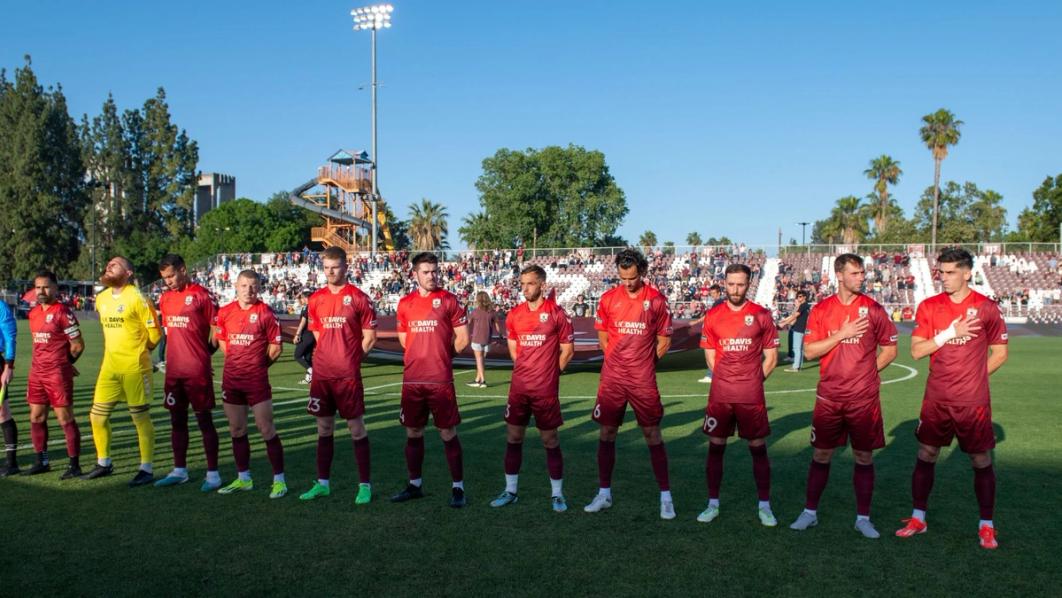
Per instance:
(133,388)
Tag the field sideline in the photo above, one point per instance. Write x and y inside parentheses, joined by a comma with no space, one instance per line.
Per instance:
(92,538)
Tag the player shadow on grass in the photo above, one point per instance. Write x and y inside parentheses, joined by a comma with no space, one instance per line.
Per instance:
(901,444)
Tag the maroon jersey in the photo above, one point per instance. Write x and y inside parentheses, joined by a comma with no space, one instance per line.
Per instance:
(339,319)
(958,374)
(538,335)
(632,324)
(429,323)
(188,316)
(739,338)
(850,371)
(247,334)
(52,327)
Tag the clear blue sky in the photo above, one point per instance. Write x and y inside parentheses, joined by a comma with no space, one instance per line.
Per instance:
(729,118)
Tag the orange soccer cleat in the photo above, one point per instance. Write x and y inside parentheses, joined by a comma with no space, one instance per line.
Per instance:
(987,534)
(913,526)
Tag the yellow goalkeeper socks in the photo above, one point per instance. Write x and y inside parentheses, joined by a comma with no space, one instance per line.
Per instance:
(145,432)
(100,417)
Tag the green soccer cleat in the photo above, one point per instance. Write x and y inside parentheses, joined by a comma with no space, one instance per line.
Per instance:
(709,514)
(279,490)
(766,517)
(319,490)
(238,485)
(364,496)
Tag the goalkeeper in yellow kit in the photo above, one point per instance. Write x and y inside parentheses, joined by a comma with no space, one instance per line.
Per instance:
(130,331)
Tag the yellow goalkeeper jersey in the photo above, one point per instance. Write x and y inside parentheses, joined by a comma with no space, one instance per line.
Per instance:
(129,322)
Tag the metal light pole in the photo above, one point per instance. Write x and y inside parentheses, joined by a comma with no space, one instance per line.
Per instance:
(803,229)
(373,18)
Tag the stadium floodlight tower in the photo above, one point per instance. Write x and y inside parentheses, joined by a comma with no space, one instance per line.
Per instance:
(373,18)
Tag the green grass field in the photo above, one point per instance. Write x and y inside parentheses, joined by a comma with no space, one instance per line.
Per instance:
(93,538)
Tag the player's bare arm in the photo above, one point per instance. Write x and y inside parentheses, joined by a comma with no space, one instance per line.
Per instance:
(602,339)
(770,360)
(368,340)
(663,343)
(567,351)
(460,338)
(273,352)
(961,327)
(886,355)
(709,358)
(77,347)
(850,329)
(997,356)
(401,339)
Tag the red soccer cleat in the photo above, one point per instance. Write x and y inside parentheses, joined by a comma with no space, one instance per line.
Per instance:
(987,534)
(913,526)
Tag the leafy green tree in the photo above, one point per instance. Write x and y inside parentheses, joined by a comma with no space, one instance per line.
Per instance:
(939,132)
(428,226)
(966,214)
(43,196)
(694,239)
(237,226)
(884,171)
(1041,221)
(669,248)
(564,196)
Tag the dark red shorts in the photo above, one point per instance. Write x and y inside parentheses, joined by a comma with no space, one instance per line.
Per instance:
(750,420)
(418,400)
(57,391)
(182,392)
(249,396)
(343,395)
(972,424)
(612,400)
(521,407)
(834,422)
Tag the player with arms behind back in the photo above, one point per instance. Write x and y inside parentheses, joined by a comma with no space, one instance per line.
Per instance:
(741,347)
(845,331)
(964,335)
(249,335)
(634,330)
(432,328)
(540,344)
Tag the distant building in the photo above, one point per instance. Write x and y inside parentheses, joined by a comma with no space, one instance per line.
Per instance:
(213,190)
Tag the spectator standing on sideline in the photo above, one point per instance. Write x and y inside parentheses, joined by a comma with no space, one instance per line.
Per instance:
(484,327)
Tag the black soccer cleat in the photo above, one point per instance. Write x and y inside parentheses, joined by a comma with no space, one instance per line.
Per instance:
(457,498)
(99,471)
(71,473)
(142,477)
(38,468)
(10,470)
(411,492)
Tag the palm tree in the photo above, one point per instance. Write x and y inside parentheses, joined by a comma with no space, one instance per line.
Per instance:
(848,220)
(694,239)
(941,130)
(885,171)
(427,225)
(475,230)
(647,240)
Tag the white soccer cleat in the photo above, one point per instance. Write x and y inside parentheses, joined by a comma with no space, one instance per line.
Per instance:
(667,509)
(709,514)
(865,527)
(600,503)
(804,521)
(705,380)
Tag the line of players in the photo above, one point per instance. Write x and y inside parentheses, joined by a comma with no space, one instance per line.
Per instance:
(850,333)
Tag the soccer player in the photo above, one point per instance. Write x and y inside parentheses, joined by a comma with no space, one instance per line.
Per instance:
(249,335)
(845,332)
(432,328)
(634,330)
(57,344)
(540,344)
(964,334)
(741,347)
(130,332)
(189,313)
(8,333)
(343,320)
(304,340)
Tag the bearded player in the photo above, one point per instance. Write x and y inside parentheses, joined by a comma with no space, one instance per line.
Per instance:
(432,328)
(540,344)
(845,332)
(741,347)
(964,335)
(57,344)
(634,330)
(130,332)
(249,335)
(343,320)
(188,313)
